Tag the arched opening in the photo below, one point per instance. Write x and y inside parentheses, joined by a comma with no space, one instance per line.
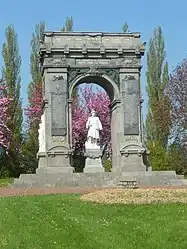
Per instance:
(87,93)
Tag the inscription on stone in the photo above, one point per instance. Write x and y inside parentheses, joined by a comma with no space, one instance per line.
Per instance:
(58,105)
(131,139)
(58,111)
(130,95)
(86,62)
(58,139)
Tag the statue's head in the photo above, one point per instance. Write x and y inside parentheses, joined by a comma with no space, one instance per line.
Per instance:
(93,113)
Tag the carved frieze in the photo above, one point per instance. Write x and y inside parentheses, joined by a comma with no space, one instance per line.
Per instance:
(128,62)
(113,73)
(56,78)
(75,72)
(56,62)
(128,77)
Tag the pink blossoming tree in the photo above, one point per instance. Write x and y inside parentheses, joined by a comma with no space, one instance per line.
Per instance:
(34,110)
(88,100)
(5,133)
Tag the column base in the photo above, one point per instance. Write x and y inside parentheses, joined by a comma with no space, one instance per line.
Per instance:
(133,163)
(54,162)
(42,159)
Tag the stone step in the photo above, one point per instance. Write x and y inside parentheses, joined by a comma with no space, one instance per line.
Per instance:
(179,182)
(180,176)
(105,179)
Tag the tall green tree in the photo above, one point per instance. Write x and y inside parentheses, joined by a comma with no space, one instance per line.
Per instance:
(34,57)
(158,121)
(31,145)
(11,76)
(68,26)
(125,28)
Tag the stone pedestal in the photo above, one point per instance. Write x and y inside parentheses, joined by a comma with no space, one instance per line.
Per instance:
(59,162)
(54,162)
(133,156)
(93,162)
(93,165)
(132,163)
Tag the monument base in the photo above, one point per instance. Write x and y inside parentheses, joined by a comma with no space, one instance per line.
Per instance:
(133,163)
(54,162)
(100,180)
(93,165)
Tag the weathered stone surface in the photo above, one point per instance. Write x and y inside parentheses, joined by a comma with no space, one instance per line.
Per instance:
(87,40)
(111,60)
(93,165)
(130,93)
(164,178)
(58,92)
(113,73)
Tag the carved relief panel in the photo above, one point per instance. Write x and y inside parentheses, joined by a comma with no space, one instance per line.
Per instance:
(58,94)
(130,95)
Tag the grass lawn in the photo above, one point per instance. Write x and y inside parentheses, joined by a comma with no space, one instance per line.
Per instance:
(5,181)
(64,221)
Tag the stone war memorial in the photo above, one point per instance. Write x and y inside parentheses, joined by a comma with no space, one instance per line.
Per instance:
(113,61)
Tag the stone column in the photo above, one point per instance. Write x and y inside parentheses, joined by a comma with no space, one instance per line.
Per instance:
(115,107)
(132,149)
(70,121)
(58,150)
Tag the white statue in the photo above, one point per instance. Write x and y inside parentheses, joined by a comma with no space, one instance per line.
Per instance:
(41,137)
(94,126)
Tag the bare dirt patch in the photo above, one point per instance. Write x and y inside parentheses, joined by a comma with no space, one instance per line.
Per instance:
(5,192)
(141,196)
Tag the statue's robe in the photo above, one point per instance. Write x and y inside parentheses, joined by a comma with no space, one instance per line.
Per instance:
(93,125)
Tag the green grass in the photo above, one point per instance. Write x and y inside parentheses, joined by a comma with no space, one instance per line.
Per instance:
(5,181)
(57,222)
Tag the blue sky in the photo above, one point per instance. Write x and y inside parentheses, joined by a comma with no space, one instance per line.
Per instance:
(98,15)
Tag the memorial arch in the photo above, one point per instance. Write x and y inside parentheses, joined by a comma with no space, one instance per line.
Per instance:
(111,60)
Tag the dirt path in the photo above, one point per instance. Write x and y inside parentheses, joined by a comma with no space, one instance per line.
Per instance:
(43,191)
(4,192)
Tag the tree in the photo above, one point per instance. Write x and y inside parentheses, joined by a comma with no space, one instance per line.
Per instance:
(68,26)
(158,120)
(35,100)
(34,109)
(88,100)
(97,100)
(177,157)
(177,90)
(11,76)
(125,28)
(5,133)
